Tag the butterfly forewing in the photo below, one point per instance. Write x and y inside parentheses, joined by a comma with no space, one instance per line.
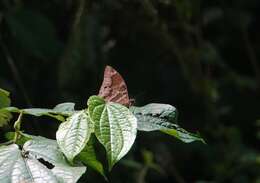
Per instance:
(113,88)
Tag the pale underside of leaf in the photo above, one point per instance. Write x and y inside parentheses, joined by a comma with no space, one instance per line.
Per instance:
(74,133)
(40,147)
(162,117)
(58,112)
(16,169)
(43,148)
(18,166)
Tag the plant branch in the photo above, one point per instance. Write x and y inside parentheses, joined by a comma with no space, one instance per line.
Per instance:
(17,127)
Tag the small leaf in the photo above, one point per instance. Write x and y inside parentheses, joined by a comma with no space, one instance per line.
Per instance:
(93,102)
(67,107)
(162,117)
(44,112)
(115,127)
(88,157)
(21,140)
(74,133)
(4,98)
(5,117)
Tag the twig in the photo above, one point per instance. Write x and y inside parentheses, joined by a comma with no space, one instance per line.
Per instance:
(17,127)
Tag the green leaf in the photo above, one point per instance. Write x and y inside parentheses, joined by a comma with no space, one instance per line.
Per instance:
(65,108)
(5,117)
(24,137)
(162,117)
(93,102)
(115,127)
(24,166)
(88,157)
(73,134)
(4,98)
(60,110)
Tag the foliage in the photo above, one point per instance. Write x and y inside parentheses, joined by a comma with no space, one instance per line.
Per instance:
(202,56)
(45,160)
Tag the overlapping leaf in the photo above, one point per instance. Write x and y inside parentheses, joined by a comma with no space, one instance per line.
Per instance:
(162,117)
(88,157)
(115,127)
(4,98)
(60,110)
(5,116)
(74,133)
(24,166)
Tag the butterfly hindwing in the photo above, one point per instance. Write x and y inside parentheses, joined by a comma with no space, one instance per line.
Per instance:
(113,88)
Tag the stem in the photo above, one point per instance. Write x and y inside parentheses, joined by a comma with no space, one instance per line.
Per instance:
(142,174)
(17,127)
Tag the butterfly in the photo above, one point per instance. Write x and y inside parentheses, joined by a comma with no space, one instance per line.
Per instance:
(113,88)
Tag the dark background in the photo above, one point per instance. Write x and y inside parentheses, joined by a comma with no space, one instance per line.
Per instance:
(200,56)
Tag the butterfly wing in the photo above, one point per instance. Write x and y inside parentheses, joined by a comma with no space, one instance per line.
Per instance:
(113,88)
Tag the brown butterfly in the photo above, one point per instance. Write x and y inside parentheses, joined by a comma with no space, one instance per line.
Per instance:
(113,88)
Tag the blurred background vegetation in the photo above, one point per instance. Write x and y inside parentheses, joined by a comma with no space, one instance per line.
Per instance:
(200,56)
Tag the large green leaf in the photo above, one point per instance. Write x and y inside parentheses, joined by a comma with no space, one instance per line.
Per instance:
(73,134)
(60,110)
(88,157)
(18,166)
(162,117)
(48,150)
(4,98)
(115,127)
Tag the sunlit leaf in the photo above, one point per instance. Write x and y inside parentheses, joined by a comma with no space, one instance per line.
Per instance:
(60,110)
(73,134)
(48,150)
(65,108)
(115,127)
(25,166)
